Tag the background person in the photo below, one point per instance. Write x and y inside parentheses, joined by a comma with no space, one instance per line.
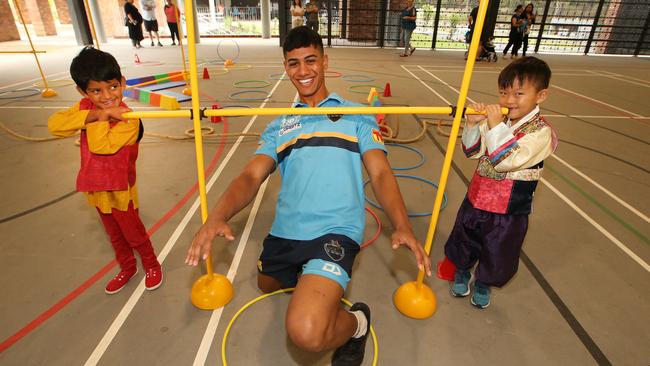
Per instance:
(134,23)
(172,14)
(297,14)
(150,22)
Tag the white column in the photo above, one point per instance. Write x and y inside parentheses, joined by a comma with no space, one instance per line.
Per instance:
(265,9)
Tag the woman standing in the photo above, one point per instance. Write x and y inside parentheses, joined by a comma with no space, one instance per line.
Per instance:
(172,14)
(297,14)
(409,15)
(529,16)
(133,20)
(515,36)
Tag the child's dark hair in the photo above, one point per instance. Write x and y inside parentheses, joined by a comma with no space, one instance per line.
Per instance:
(300,37)
(528,68)
(93,64)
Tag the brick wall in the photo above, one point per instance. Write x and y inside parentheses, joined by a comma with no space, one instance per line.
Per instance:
(63,11)
(41,17)
(7,23)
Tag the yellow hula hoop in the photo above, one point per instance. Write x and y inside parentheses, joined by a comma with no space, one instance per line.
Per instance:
(281,291)
(55,83)
(216,70)
(239,67)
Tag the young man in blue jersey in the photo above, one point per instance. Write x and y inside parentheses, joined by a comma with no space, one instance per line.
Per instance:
(320,216)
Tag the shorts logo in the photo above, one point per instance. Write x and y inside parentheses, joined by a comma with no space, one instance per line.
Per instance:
(377,137)
(290,123)
(334,250)
(332,268)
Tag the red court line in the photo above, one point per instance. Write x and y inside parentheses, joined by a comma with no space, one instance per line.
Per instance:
(39,320)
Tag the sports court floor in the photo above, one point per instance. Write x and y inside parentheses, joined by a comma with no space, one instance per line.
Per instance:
(581,296)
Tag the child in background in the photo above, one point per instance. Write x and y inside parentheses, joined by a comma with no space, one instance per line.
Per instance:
(493,219)
(109,149)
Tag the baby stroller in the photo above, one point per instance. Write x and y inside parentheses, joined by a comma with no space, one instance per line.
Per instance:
(486,51)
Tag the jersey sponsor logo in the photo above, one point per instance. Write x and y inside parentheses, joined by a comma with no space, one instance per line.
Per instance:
(377,137)
(332,268)
(334,250)
(290,123)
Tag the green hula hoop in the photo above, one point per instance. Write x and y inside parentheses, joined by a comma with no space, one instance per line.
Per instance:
(354,88)
(281,291)
(233,95)
(251,84)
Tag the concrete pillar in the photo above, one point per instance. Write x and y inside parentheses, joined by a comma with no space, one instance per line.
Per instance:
(97,20)
(63,11)
(265,9)
(7,23)
(41,17)
(23,7)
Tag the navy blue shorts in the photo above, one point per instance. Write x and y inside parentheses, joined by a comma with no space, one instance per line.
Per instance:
(330,256)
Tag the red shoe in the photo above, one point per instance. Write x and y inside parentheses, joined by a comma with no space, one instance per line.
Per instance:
(119,281)
(153,279)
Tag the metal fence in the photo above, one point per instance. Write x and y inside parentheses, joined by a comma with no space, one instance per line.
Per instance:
(582,26)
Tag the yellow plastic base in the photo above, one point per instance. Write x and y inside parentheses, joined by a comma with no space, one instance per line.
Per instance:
(415,301)
(46,93)
(210,294)
(187,91)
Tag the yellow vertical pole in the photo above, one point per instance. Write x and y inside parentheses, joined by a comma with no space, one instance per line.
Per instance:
(92,24)
(451,144)
(196,116)
(187,90)
(47,92)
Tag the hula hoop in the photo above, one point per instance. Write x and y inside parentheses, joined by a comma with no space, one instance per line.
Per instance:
(254,84)
(358,78)
(217,71)
(149,63)
(376,234)
(279,76)
(239,67)
(333,74)
(208,131)
(410,214)
(354,88)
(29,93)
(54,83)
(233,95)
(281,291)
(225,58)
(418,164)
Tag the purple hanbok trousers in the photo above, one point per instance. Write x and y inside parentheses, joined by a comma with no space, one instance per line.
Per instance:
(493,240)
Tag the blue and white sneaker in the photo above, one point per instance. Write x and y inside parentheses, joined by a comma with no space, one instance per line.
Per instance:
(481,295)
(460,287)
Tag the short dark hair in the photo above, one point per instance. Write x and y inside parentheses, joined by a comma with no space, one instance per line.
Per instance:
(528,68)
(300,37)
(93,64)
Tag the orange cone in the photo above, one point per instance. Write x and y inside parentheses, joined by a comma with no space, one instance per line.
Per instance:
(206,75)
(137,59)
(216,119)
(387,90)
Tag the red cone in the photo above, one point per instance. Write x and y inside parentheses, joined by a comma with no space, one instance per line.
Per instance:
(446,269)
(206,75)
(216,119)
(387,90)
(137,59)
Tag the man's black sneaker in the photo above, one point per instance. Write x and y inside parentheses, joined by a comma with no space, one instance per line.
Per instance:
(352,352)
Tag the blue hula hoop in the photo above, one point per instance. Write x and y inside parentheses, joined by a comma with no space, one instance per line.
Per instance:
(417,165)
(410,214)
(233,95)
(279,76)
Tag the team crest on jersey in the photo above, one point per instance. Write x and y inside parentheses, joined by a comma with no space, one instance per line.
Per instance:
(377,137)
(290,123)
(334,250)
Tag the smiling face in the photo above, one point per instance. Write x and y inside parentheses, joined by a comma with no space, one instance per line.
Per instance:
(521,98)
(104,94)
(306,68)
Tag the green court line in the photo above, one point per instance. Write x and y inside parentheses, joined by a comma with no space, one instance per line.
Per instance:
(591,199)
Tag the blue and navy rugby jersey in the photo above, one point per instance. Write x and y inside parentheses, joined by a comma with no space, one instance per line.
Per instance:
(320,163)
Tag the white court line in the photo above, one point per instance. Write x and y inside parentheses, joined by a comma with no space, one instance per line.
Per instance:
(610,194)
(213,324)
(603,231)
(32,80)
(597,101)
(137,293)
(611,237)
(426,86)
(646,82)
(605,74)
